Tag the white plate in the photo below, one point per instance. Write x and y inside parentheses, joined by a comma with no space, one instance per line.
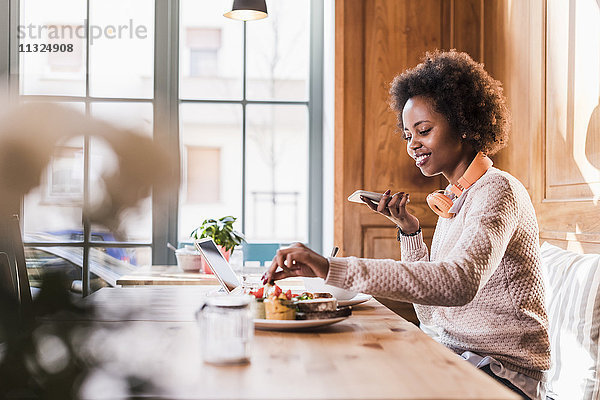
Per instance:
(290,325)
(358,299)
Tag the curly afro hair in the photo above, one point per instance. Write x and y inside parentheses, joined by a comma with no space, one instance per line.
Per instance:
(463,92)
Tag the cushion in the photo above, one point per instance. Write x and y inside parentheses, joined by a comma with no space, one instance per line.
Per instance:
(573,302)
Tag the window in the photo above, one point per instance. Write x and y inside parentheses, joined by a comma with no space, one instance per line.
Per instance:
(110,77)
(255,108)
(233,99)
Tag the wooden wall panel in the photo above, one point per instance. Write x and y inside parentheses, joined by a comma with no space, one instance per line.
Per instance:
(396,39)
(349,119)
(572,106)
(517,64)
(567,202)
(530,46)
(579,243)
(380,241)
(467,27)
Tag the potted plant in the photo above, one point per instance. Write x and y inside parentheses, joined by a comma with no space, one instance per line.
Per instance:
(222,232)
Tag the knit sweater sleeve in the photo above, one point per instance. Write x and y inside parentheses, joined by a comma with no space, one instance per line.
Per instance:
(413,248)
(489,223)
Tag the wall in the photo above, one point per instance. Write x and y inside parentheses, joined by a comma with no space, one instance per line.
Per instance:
(548,57)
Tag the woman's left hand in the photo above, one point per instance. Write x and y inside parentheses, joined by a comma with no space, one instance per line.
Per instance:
(296,260)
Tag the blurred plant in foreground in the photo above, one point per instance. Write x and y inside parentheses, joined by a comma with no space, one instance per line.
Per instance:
(50,355)
(55,353)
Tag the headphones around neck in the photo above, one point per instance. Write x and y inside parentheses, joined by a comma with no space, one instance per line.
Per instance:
(440,203)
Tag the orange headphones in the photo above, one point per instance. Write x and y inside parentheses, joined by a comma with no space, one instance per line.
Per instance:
(440,203)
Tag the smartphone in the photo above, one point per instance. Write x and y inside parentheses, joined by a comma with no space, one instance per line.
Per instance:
(355,197)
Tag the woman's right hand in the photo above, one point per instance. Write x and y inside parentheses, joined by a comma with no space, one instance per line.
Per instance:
(394,209)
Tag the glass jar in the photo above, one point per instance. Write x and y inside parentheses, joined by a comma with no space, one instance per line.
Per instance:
(236,260)
(226,329)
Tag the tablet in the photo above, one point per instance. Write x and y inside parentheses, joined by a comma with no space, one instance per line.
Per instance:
(218,264)
(355,197)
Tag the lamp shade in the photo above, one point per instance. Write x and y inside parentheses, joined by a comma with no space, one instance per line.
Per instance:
(247,10)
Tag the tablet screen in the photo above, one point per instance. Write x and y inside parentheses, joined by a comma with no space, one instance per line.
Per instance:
(218,264)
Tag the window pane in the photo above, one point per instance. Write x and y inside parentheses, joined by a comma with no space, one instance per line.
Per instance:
(122,48)
(278,52)
(211,156)
(277,173)
(106,264)
(128,115)
(52,211)
(211,46)
(54,259)
(136,224)
(61,24)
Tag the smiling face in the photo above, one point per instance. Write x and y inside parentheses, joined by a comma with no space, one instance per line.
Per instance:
(431,141)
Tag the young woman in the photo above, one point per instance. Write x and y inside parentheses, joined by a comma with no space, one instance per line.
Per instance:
(480,290)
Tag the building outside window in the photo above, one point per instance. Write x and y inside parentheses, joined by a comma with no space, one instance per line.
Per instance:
(203,45)
(62,183)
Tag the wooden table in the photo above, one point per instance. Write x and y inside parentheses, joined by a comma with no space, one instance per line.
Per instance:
(169,275)
(165,275)
(374,354)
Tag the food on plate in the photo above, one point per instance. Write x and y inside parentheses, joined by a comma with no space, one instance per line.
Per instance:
(259,303)
(309,295)
(323,295)
(279,308)
(339,312)
(304,296)
(279,305)
(272,303)
(317,305)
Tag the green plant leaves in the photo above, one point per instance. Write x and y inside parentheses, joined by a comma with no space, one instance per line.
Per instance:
(221,231)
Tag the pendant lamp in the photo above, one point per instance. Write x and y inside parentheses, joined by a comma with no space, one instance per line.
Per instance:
(247,10)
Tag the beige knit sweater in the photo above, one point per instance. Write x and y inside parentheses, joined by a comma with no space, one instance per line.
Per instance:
(481,289)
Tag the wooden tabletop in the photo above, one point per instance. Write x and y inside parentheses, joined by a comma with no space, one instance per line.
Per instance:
(165,275)
(169,275)
(374,354)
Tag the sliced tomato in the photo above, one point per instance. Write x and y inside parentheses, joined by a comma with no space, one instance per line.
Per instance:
(277,291)
(288,294)
(259,293)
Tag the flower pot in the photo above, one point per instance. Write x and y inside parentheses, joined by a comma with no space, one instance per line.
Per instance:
(206,269)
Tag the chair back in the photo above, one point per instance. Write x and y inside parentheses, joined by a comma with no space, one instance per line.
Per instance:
(262,252)
(19,251)
(11,243)
(572,298)
(7,278)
